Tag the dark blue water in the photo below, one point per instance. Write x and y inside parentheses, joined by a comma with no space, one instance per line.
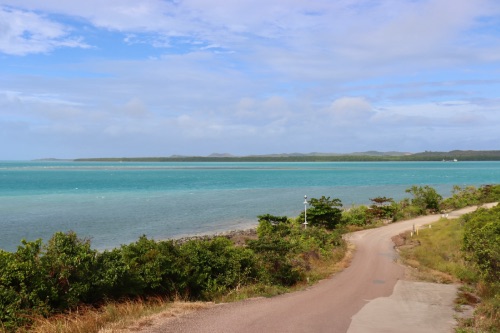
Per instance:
(115,203)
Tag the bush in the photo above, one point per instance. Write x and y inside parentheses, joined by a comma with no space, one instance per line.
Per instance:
(356,215)
(489,193)
(270,224)
(22,291)
(482,242)
(425,199)
(277,256)
(112,278)
(461,197)
(284,248)
(212,267)
(152,267)
(70,264)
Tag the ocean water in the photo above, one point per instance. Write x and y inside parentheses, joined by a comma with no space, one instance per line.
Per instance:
(115,203)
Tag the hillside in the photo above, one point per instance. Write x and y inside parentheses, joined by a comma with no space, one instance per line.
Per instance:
(369,156)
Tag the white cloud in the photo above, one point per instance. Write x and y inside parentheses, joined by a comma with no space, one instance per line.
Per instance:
(350,109)
(450,114)
(135,108)
(23,33)
(251,75)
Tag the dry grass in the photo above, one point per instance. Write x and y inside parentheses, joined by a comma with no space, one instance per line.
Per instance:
(341,259)
(121,317)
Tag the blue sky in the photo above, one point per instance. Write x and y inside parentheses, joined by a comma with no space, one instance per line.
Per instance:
(156,78)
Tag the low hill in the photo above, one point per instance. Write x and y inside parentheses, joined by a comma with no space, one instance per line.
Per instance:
(459,155)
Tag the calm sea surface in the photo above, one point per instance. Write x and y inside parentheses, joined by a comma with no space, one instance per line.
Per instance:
(115,203)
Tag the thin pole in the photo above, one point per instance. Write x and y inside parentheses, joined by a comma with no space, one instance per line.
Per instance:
(305,211)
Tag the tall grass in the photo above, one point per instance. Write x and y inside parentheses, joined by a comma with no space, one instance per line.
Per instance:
(438,257)
(114,317)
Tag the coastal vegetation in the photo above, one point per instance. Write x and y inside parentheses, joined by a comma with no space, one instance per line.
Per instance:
(458,155)
(66,275)
(465,251)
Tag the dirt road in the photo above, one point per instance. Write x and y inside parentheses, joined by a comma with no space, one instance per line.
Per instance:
(331,305)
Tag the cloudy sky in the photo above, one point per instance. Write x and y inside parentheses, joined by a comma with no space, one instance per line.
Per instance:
(130,78)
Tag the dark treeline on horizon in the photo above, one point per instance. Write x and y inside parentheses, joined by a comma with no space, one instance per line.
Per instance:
(459,155)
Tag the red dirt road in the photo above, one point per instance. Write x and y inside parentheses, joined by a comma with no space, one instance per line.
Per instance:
(325,307)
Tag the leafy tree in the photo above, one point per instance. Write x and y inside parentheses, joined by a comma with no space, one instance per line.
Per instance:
(425,198)
(382,208)
(324,212)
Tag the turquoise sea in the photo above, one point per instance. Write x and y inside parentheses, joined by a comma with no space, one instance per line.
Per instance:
(115,203)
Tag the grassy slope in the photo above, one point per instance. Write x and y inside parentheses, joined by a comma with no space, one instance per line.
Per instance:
(435,255)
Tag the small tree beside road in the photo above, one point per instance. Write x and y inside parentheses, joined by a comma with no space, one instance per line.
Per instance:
(324,212)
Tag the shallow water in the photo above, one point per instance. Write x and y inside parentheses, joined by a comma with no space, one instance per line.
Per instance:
(115,203)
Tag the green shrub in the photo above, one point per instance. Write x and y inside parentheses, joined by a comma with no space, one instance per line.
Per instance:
(112,278)
(489,193)
(152,267)
(461,197)
(277,256)
(270,224)
(482,242)
(69,263)
(20,294)
(425,199)
(214,266)
(356,215)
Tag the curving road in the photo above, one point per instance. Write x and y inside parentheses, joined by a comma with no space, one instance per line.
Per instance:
(331,305)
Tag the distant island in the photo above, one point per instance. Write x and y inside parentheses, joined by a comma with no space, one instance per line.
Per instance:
(368,156)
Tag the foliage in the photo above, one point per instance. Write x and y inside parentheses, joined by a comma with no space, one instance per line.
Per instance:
(381,208)
(69,263)
(425,199)
(151,267)
(270,224)
(325,212)
(468,250)
(461,197)
(462,155)
(489,193)
(214,266)
(21,288)
(470,195)
(276,255)
(40,280)
(482,242)
(357,216)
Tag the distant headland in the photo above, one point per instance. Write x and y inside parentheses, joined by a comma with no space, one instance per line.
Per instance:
(368,156)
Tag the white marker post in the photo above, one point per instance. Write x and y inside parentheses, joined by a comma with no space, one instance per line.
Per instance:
(305,212)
